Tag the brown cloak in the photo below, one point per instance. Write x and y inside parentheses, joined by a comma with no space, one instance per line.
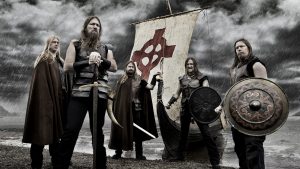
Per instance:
(43,123)
(123,138)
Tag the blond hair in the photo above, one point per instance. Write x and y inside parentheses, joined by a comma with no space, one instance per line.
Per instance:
(46,53)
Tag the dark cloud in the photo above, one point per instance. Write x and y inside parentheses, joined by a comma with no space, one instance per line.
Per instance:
(5,6)
(289,38)
(15,81)
(123,43)
(271,26)
(229,6)
(5,113)
(32,2)
(268,7)
(17,58)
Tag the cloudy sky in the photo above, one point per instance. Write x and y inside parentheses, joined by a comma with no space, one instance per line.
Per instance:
(272,27)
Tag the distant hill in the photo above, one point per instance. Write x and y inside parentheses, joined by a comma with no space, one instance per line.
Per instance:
(297,114)
(5,113)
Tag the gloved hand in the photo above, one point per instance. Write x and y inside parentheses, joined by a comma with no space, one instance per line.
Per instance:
(218,109)
(168,106)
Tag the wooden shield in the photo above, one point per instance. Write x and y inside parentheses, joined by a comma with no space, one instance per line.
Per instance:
(202,103)
(256,106)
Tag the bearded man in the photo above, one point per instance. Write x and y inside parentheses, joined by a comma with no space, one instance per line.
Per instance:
(89,59)
(132,104)
(249,149)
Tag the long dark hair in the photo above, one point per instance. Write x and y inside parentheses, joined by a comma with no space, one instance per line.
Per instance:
(124,77)
(196,70)
(86,41)
(236,59)
(128,64)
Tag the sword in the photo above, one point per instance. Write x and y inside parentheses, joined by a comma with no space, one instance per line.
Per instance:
(95,107)
(94,86)
(143,130)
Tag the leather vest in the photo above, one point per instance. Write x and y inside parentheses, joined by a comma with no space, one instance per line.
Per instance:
(85,75)
(188,85)
(244,71)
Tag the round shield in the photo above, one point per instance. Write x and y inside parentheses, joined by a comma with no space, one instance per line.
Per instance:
(256,106)
(202,103)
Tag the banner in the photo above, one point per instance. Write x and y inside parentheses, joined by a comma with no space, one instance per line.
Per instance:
(161,45)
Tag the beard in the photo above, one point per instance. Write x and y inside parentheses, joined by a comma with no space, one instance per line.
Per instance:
(91,40)
(130,73)
(243,58)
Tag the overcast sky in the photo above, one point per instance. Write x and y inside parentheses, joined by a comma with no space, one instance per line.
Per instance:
(271,26)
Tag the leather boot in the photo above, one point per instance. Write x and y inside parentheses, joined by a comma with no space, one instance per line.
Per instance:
(139,151)
(117,155)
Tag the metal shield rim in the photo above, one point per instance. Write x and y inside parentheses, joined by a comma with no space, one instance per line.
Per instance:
(218,115)
(264,132)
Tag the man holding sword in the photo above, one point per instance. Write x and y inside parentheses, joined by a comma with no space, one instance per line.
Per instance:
(134,111)
(89,59)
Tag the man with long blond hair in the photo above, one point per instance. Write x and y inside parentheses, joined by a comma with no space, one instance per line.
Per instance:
(43,123)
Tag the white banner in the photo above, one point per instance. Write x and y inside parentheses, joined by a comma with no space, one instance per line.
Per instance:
(163,39)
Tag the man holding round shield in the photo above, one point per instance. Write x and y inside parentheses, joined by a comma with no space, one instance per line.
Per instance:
(188,83)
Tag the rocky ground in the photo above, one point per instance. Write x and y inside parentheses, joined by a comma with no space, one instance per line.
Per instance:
(12,157)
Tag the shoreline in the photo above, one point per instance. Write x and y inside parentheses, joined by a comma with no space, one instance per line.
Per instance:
(282,150)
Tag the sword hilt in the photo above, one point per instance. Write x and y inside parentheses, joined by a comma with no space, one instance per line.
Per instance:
(97,84)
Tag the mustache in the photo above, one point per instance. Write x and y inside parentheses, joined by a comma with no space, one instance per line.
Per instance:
(130,71)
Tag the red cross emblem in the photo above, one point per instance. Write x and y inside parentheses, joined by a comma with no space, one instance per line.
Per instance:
(151,53)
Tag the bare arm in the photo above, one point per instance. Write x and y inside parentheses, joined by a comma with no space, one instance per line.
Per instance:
(260,70)
(110,57)
(70,57)
(178,92)
(175,96)
(149,86)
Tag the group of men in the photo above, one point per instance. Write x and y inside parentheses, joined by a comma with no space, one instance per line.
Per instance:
(55,116)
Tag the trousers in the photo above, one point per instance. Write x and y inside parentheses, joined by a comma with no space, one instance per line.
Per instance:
(185,120)
(77,109)
(249,149)
(36,154)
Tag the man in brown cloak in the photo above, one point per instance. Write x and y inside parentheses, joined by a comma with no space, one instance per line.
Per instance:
(43,124)
(132,104)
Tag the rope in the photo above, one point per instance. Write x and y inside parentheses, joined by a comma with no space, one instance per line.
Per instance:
(210,41)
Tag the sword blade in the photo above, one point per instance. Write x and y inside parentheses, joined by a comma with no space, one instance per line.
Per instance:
(95,107)
(143,130)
